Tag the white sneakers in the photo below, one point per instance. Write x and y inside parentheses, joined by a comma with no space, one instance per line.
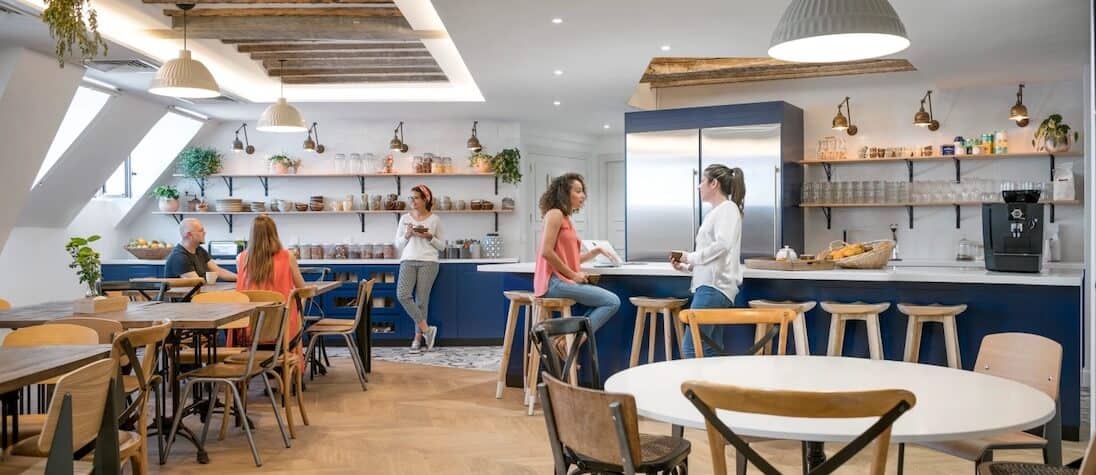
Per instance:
(416,345)
(429,336)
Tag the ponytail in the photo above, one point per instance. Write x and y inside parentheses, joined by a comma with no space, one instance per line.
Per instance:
(732,183)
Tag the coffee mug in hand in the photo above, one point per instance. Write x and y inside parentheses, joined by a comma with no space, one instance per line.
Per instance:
(675,256)
(211,277)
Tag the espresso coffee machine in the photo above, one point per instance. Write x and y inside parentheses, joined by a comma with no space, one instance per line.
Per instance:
(1013,232)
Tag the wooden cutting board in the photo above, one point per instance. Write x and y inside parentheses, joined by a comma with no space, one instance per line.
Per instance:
(773,264)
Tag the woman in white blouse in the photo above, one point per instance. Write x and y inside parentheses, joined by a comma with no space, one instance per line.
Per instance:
(418,237)
(716,268)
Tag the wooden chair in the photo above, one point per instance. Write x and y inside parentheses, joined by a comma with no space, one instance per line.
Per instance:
(918,315)
(1030,359)
(886,404)
(267,324)
(311,313)
(1085,466)
(580,422)
(348,329)
(4,305)
(577,331)
(671,325)
(799,324)
(224,296)
(519,299)
(778,318)
(543,308)
(140,385)
(106,329)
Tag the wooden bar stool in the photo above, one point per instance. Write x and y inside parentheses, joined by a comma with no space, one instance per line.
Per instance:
(518,300)
(843,312)
(668,308)
(543,307)
(921,314)
(799,323)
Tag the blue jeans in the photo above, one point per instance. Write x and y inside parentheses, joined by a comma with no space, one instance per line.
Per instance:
(705,297)
(603,304)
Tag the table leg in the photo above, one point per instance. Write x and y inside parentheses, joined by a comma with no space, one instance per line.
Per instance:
(678,432)
(815,454)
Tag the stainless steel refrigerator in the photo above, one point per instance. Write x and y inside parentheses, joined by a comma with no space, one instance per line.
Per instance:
(663,167)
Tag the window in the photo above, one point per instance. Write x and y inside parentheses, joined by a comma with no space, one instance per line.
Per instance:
(85,105)
(152,155)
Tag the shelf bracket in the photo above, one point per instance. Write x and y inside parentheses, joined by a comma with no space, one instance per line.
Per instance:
(829,216)
(228,220)
(265,181)
(1052,174)
(829,171)
(1051,212)
(909,211)
(361,184)
(909,170)
(201,185)
(361,219)
(228,183)
(177,217)
(399,186)
(496,194)
(957,175)
(957,216)
(497,221)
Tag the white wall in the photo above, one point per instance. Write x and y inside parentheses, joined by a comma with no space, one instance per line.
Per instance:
(882,107)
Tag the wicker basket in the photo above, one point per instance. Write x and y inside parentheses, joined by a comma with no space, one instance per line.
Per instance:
(159,253)
(876,257)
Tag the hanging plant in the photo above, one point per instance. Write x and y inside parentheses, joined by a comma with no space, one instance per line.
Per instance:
(507,165)
(66,25)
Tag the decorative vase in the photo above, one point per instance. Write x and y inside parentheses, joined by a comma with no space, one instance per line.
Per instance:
(169,205)
(1054,145)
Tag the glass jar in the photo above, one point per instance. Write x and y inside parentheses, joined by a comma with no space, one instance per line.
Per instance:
(342,251)
(378,251)
(389,251)
(389,163)
(355,251)
(417,164)
(316,251)
(366,251)
(295,251)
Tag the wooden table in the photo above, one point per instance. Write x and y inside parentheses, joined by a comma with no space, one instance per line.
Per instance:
(322,287)
(190,316)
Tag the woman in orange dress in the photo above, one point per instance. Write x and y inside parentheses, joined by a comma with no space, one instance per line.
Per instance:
(266,265)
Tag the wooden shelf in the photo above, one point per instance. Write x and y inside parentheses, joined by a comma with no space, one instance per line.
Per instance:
(944,157)
(229,216)
(338,175)
(827,208)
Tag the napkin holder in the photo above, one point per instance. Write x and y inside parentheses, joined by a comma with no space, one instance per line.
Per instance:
(100,304)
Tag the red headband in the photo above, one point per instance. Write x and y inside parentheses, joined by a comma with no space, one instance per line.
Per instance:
(426,193)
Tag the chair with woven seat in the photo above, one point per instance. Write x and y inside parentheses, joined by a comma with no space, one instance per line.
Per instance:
(267,324)
(1030,359)
(885,404)
(671,326)
(580,422)
(799,323)
(776,318)
(840,313)
(347,329)
(142,383)
(1084,466)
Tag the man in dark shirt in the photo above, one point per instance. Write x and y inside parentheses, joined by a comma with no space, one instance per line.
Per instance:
(189,258)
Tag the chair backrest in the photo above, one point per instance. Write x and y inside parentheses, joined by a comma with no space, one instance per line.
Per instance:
(150,338)
(582,420)
(738,316)
(4,305)
(106,329)
(148,290)
(1022,357)
(365,300)
(320,272)
(52,334)
(545,334)
(267,324)
(224,296)
(1088,465)
(89,387)
(886,404)
(263,296)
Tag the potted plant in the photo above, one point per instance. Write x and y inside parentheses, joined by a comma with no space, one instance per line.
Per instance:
(169,198)
(199,162)
(1053,135)
(282,164)
(66,21)
(507,165)
(86,262)
(481,162)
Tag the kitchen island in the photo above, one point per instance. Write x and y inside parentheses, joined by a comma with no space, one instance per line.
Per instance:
(1048,304)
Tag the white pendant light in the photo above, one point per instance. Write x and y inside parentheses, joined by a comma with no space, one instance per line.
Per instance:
(829,31)
(280,116)
(184,76)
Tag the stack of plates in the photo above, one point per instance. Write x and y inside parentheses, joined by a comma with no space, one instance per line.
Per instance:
(230,205)
(316,203)
(258,206)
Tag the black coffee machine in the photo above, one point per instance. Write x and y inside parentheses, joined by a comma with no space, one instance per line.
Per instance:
(1013,232)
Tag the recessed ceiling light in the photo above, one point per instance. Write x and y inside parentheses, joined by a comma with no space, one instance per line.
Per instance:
(555,103)
(558,72)
(557,20)
(665,48)
(606,126)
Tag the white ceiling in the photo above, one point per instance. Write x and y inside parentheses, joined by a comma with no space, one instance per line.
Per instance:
(511,48)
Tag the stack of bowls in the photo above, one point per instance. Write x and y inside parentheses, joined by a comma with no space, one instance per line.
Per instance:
(316,203)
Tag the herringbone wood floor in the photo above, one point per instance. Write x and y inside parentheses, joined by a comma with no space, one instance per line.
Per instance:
(430,420)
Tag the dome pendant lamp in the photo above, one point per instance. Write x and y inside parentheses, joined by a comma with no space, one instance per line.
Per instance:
(184,77)
(831,31)
(1019,113)
(280,116)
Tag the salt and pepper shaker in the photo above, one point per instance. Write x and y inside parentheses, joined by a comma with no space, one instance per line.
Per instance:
(894,236)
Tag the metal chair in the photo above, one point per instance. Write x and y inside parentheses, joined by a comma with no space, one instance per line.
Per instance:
(142,383)
(348,329)
(307,317)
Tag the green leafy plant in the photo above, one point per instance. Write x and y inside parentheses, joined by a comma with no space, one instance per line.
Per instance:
(86,261)
(507,165)
(199,162)
(166,192)
(65,19)
(1052,129)
(283,159)
(478,157)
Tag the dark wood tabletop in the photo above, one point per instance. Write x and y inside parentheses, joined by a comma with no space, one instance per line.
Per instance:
(322,287)
(206,316)
(28,365)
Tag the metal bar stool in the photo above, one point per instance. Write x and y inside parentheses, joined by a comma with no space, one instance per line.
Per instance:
(799,324)
(866,312)
(943,314)
(668,308)
(542,310)
(518,300)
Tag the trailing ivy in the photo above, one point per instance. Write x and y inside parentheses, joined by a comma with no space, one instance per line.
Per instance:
(66,25)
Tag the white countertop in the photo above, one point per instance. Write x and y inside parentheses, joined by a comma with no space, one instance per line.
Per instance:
(964,275)
(322,262)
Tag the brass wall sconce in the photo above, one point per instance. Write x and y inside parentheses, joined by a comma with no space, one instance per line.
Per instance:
(313,145)
(397,144)
(473,142)
(840,122)
(245,146)
(1019,113)
(925,119)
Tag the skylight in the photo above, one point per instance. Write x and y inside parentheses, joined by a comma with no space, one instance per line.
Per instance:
(153,154)
(85,105)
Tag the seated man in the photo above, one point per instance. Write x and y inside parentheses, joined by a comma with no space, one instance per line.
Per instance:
(189,258)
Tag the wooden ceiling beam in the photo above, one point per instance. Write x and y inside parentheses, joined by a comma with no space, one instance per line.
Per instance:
(677,73)
(268,2)
(276,55)
(326,46)
(276,72)
(301,28)
(363,79)
(270,64)
(366,12)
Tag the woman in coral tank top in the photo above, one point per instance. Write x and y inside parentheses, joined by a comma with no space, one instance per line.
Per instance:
(559,258)
(266,265)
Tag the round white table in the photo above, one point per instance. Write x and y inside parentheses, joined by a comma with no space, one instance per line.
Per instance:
(951,404)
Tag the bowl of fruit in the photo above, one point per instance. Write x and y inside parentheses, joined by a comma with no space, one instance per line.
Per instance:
(154,249)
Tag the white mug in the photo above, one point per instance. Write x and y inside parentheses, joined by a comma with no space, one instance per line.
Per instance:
(211,277)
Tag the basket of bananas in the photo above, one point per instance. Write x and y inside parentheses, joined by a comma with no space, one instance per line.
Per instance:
(866,255)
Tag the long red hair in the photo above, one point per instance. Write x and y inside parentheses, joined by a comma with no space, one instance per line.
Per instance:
(262,247)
